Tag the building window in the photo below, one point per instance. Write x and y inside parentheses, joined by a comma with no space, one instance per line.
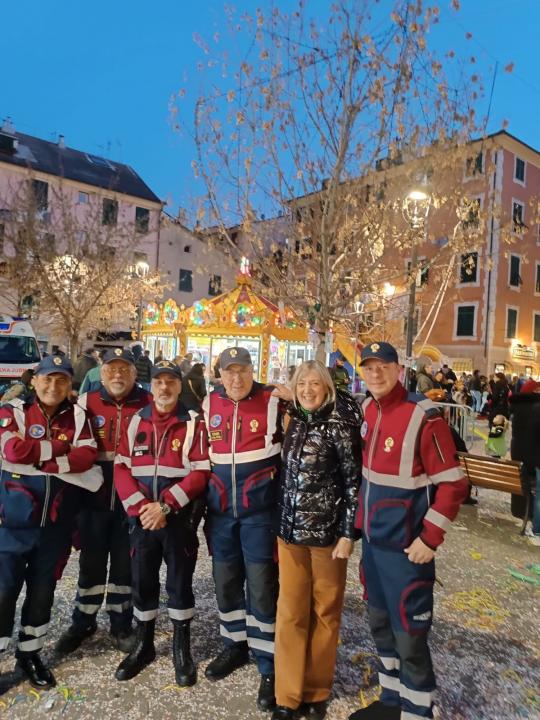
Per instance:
(40,190)
(468,270)
(511,323)
(102,162)
(518,216)
(536,328)
(519,170)
(475,165)
(142,219)
(465,321)
(537,279)
(470,214)
(185,280)
(84,198)
(214,285)
(422,272)
(514,279)
(110,212)
(187,248)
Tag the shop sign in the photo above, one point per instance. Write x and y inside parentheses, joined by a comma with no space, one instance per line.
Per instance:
(523,352)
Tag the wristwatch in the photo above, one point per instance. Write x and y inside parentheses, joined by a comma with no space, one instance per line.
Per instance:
(165,509)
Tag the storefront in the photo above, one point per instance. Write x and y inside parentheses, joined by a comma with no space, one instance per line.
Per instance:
(273,335)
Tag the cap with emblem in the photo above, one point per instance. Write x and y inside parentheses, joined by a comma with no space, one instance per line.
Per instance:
(379,351)
(54,364)
(119,354)
(165,366)
(234,356)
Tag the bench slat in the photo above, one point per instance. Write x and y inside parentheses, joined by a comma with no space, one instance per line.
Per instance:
(493,474)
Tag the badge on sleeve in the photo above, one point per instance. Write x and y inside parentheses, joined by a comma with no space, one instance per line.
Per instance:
(215,421)
(98,421)
(364,429)
(4,422)
(36,431)
(175,444)
(62,437)
(253,425)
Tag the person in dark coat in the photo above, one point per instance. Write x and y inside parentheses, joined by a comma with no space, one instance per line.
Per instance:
(318,497)
(86,362)
(525,445)
(194,387)
(499,398)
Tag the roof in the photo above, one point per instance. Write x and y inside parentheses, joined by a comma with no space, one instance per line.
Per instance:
(64,162)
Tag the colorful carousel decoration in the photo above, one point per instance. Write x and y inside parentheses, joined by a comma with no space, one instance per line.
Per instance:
(274,336)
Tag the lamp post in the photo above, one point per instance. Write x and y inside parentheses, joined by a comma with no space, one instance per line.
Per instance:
(415,212)
(358,309)
(140,270)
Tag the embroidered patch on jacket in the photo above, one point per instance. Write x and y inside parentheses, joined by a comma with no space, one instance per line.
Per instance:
(4,422)
(98,421)
(364,429)
(216,435)
(36,431)
(215,421)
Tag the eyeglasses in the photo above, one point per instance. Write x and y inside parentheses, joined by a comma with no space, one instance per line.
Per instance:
(123,370)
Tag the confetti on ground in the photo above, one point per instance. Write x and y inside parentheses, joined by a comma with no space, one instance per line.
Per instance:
(478,608)
(475,555)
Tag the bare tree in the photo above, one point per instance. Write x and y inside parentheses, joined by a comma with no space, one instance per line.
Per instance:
(325,126)
(79,270)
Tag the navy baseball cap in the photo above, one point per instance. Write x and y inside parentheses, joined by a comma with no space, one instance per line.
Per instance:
(379,351)
(234,356)
(165,366)
(54,364)
(119,354)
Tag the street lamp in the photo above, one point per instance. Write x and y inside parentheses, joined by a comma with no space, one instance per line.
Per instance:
(358,310)
(415,212)
(141,270)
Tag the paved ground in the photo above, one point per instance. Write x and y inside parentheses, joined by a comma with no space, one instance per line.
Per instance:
(485,641)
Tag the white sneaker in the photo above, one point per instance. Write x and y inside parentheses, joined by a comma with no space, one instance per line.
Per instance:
(532,537)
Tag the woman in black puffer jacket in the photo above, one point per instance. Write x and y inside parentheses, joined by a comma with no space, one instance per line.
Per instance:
(318,498)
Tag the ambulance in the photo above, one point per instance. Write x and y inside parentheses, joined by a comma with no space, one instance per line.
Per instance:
(19,349)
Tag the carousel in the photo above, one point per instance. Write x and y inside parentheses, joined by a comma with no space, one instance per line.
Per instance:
(274,336)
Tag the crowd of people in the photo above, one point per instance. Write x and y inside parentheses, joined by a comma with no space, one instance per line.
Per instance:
(124,457)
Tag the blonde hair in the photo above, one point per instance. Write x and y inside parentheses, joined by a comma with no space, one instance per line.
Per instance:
(323,374)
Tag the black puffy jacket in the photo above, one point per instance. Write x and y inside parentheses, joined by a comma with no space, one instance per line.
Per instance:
(320,476)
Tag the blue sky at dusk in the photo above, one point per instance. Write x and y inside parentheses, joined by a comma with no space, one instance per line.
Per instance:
(102,73)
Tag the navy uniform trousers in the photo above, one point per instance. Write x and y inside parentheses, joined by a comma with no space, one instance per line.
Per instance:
(243,554)
(177,545)
(104,536)
(35,556)
(400,608)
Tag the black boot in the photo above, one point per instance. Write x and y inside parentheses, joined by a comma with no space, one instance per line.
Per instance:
(283,713)
(72,638)
(142,654)
(315,710)
(228,660)
(266,699)
(377,711)
(185,670)
(124,639)
(37,673)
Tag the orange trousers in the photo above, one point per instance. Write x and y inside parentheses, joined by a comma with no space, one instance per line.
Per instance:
(311,590)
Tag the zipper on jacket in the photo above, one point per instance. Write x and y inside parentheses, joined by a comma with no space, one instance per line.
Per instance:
(47,482)
(116,439)
(233,451)
(156,460)
(370,458)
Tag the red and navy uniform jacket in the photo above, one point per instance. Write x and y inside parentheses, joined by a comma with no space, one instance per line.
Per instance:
(108,418)
(245,447)
(45,462)
(412,484)
(162,458)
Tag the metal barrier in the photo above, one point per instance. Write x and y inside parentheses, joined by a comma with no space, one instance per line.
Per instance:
(462,418)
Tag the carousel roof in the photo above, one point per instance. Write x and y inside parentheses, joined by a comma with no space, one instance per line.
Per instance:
(241,311)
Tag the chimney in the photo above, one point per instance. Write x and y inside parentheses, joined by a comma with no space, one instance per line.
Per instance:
(61,142)
(8,127)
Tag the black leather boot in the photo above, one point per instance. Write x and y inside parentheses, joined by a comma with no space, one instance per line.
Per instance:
(37,673)
(72,638)
(266,699)
(184,667)
(228,660)
(377,711)
(142,654)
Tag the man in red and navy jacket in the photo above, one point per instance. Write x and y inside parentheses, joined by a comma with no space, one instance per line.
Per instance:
(244,421)
(161,472)
(48,454)
(412,488)
(102,522)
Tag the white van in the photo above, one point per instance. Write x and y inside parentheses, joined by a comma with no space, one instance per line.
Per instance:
(19,349)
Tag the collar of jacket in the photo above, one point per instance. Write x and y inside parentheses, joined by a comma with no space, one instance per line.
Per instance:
(395,397)
(257,386)
(133,396)
(322,413)
(180,412)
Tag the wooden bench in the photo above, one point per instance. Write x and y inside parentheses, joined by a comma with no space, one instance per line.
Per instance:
(496,474)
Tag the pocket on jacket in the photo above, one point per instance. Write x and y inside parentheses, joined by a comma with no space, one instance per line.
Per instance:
(19,507)
(260,489)
(216,494)
(390,523)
